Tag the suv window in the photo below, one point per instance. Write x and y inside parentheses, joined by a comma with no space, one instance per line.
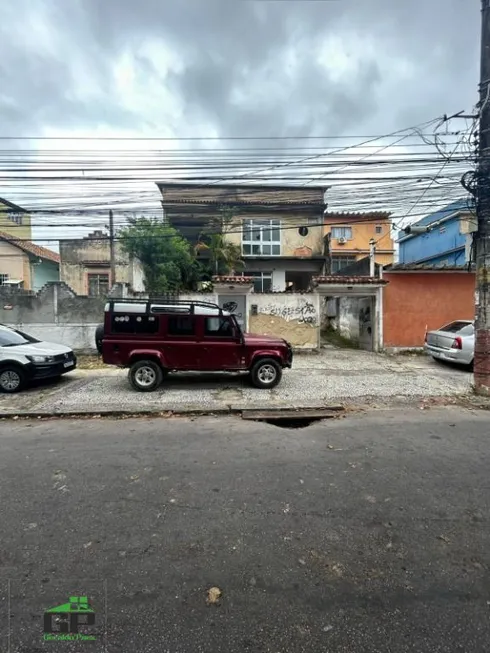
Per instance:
(181,326)
(134,324)
(12,338)
(459,327)
(218,326)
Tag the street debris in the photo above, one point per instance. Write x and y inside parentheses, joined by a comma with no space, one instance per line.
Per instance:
(214,595)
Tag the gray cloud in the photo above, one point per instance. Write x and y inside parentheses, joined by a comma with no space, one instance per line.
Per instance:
(240,67)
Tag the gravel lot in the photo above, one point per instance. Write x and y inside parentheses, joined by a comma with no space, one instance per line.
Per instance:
(332,376)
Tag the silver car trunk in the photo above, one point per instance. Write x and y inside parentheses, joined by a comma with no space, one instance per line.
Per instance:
(444,338)
(441,339)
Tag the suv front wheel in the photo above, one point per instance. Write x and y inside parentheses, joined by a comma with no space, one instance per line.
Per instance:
(145,376)
(266,373)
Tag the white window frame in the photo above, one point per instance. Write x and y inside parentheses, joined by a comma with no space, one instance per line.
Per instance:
(3,278)
(261,237)
(261,276)
(342,232)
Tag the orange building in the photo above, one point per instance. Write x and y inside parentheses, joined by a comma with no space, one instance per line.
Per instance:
(417,299)
(350,234)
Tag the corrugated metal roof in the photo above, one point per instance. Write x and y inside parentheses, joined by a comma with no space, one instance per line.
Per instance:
(358,215)
(425,267)
(350,281)
(454,207)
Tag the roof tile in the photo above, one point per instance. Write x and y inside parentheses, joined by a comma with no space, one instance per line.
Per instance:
(31,248)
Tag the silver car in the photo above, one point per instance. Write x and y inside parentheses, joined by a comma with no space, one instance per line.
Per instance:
(454,342)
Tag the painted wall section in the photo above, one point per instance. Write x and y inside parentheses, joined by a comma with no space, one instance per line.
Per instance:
(414,301)
(10,225)
(436,246)
(294,317)
(14,263)
(42,273)
(292,242)
(362,232)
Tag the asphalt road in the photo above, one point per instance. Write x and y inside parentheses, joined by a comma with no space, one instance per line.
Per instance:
(369,534)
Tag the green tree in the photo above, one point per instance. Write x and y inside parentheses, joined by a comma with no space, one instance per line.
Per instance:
(225,256)
(169,264)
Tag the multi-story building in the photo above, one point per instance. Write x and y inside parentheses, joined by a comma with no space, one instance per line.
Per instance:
(446,243)
(351,233)
(279,229)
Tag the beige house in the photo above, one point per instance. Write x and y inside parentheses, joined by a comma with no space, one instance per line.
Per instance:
(279,229)
(23,264)
(85,266)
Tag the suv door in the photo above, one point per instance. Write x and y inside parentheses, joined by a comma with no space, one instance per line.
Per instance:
(180,347)
(221,348)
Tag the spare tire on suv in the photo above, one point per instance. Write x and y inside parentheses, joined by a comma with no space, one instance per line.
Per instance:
(99,335)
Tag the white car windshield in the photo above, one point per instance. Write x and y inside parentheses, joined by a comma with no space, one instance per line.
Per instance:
(13,338)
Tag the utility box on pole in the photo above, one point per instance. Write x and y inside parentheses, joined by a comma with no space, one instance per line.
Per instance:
(482,235)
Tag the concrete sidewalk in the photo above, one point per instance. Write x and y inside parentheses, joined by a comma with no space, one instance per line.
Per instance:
(333,376)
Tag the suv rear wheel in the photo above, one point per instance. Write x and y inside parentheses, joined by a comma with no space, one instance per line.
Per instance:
(12,379)
(145,376)
(266,373)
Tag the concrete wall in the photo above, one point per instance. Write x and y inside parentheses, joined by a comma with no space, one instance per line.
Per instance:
(416,301)
(348,318)
(294,317)
(57,314)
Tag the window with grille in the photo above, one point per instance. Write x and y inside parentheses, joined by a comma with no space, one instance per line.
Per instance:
(379,229)
(342,232)
(3,279)
(261,238)
(340,262)
(98,285)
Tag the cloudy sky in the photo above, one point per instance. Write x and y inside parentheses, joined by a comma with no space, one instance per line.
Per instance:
(200,68)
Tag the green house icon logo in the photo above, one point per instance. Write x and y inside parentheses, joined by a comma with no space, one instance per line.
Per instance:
(63,621)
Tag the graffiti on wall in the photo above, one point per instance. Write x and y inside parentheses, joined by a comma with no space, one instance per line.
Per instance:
(236,306)
(304,313)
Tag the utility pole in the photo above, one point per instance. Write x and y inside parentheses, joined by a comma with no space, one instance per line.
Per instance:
(372,253)
(482,236)
(111,249)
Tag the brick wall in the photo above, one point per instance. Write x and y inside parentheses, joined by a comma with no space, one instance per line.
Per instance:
(414,301)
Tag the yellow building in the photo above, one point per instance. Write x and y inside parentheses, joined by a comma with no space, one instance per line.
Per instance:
(350,234)
(14,220)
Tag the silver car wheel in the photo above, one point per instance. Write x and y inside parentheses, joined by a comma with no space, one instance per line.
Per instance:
(267,374)
(10,380)
(145,376)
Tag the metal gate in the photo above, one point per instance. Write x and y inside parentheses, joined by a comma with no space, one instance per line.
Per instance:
(366,323)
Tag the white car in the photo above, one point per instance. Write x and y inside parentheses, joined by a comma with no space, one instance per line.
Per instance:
(24,358)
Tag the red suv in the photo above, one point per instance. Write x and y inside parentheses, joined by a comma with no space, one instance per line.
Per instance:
(153,338)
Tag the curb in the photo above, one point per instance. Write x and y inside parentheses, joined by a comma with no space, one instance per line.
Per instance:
(178,412)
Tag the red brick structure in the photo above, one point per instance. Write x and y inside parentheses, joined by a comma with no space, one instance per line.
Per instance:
(418,298)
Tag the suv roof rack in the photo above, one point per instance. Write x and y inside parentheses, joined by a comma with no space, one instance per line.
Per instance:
(165,301)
